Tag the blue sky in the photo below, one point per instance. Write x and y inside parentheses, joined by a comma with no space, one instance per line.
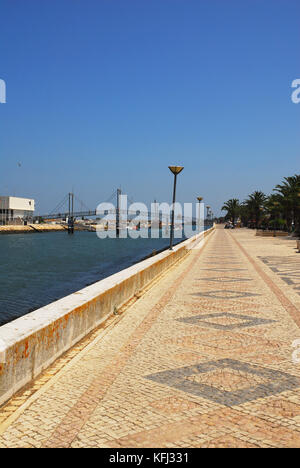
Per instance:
(102,93)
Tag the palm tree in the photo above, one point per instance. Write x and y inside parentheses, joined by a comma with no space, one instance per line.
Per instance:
(245,214)
(232,207)
(256,204)
(279,210)
(289,191)
(275,209)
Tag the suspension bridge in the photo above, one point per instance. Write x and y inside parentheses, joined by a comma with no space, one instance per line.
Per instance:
(71,208)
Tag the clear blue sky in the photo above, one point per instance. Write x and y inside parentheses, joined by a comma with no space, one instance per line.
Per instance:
(102,93)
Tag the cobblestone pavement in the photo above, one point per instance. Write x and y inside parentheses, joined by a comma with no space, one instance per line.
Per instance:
(202,359)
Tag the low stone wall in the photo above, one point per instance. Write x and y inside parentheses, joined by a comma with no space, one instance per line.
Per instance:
(271,233)
(31,228)
(31,343)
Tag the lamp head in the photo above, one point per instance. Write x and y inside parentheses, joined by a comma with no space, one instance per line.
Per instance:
(176,169)
(199,199)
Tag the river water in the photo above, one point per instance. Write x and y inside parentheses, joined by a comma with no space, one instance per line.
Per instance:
(37,269)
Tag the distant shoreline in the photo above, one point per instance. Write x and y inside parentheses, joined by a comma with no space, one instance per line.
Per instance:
(38,228)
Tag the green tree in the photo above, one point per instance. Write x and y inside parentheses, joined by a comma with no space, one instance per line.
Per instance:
(289,193)
(232,207)
(245,214)
(274,209)
(255,204)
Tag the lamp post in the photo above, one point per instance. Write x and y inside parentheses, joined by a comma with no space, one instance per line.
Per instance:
(199,211)
(208,208)
(175,170)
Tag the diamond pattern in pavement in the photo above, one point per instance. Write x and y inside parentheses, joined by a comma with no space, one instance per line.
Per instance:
(225,321)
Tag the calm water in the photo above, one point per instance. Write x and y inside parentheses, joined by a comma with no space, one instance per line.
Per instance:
(37,269)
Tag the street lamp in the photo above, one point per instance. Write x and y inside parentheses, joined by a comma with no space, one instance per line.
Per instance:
(208,208)
(199,211)
(175,170)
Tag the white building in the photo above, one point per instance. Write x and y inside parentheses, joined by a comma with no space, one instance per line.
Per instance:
(15,210)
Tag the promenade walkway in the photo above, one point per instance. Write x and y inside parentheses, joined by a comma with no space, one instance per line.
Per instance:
(202,359)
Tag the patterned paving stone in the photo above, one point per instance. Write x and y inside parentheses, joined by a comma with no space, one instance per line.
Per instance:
(226,381)
(288,268)
(279,407)
(202,359)
(225,321)
(188,357)
(173,405)
(225,294)
(228,442)
(225,280)
(223,269)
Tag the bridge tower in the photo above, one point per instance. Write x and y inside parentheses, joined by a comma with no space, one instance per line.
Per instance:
(118,213)
(71,214)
